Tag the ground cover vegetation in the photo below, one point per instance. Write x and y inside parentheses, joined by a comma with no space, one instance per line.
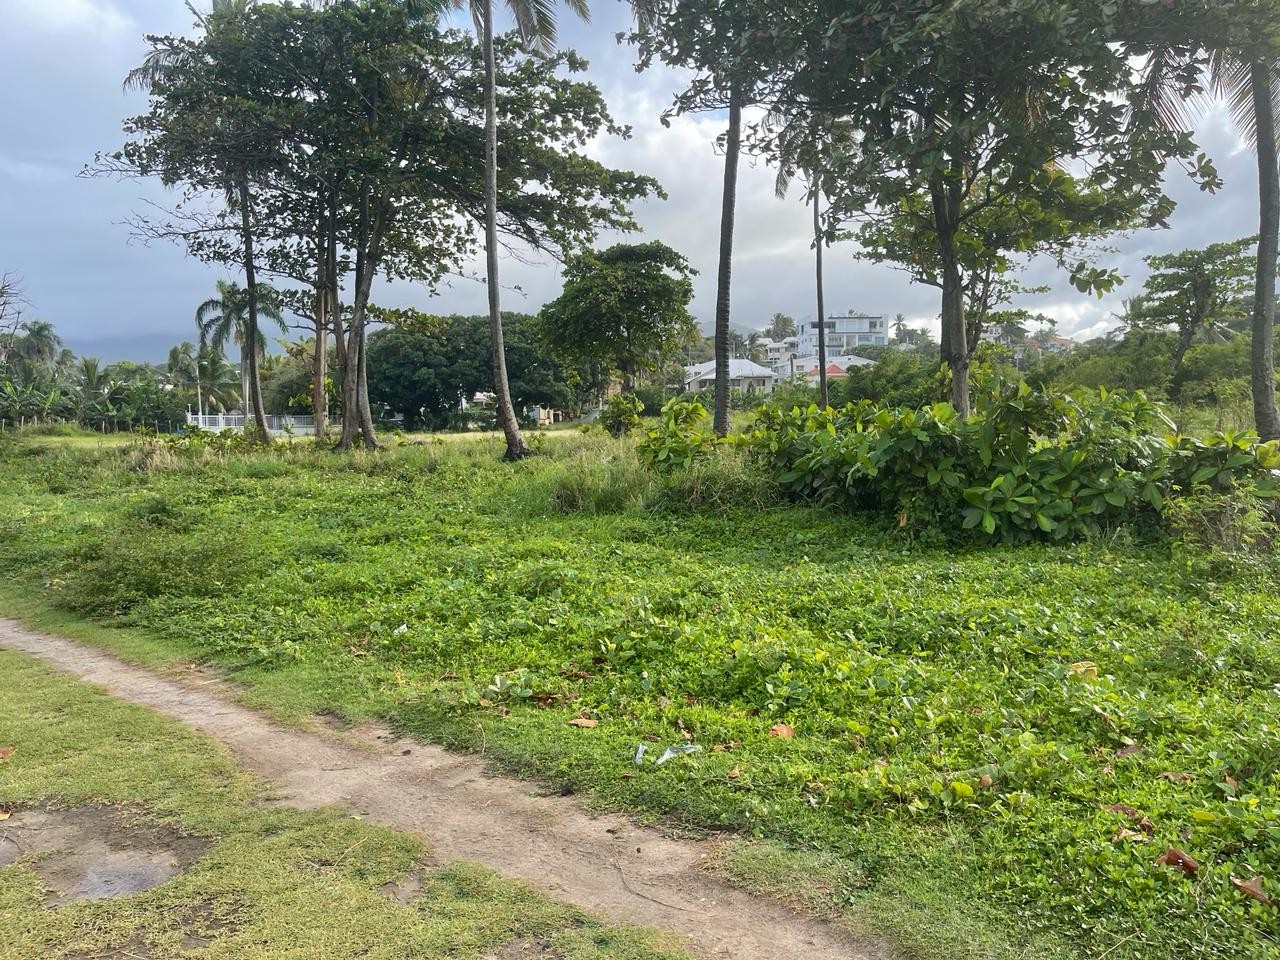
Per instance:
(266,882)
(986,749)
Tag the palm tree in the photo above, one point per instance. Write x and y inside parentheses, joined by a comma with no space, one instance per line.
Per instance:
(536,25)
(899,328)
(224,319)
(1247,81)
(40,345)
(184,370)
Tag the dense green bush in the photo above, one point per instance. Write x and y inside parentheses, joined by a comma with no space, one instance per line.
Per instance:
(682,437)
(1027,463)
(621,414)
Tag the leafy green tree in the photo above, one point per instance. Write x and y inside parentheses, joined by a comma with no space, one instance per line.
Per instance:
(626,307)
(375,117)
(965,108)
(425,372)
(1195,292)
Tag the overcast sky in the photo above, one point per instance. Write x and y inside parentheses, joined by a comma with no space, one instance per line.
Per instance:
(61,65)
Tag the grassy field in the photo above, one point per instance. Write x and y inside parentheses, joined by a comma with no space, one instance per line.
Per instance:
(267,883)
(978,753)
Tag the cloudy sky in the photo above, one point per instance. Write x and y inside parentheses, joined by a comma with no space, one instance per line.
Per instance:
(61,64)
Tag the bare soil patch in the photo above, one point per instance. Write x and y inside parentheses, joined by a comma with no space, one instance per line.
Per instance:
(92,853)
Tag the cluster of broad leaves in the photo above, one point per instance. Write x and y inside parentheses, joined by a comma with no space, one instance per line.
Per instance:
(1028,463)
(1035,725)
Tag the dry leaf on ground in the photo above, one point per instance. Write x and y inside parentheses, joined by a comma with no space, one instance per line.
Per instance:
(6,752)
(1173,776)
(1173,857)
(782,730)
(584,722)
(1253,888)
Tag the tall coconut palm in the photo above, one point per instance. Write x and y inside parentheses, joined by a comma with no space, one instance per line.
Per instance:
(536,24)
(225,318)
(1247,81)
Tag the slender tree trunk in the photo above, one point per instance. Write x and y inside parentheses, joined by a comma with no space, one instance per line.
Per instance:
(319,373)
(251,313)
(320,355)
(823,400)
(955,344)
(724,276)
(362,391)
(1265,413)
(517,449)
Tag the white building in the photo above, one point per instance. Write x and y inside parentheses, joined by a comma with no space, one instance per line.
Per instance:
(780,354)
(743,375)
(845,334)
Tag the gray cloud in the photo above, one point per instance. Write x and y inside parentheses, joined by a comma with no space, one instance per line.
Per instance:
(113,298)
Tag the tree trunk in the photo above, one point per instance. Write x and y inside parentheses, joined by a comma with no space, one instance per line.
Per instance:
(1265,413)
(822,308)
(251,313)
(319,372)
(728,204)
(517,449)
(955,344)
(362,390)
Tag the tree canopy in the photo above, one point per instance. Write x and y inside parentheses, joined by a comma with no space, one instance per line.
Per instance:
(626,307)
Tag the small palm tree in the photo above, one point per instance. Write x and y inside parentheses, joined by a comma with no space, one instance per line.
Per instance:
(224,319)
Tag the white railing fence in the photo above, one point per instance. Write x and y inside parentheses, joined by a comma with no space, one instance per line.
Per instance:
(279,425)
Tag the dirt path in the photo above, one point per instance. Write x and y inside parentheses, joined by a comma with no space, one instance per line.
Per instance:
(603,864)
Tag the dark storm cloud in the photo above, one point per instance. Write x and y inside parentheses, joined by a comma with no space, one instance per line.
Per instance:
(112,298)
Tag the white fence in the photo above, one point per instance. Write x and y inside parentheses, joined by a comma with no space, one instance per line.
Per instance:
(299,426)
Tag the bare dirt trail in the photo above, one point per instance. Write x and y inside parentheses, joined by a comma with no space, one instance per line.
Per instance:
(603,864)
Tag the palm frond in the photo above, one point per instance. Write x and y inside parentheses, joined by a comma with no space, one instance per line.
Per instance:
(1160,96)
(1231,80)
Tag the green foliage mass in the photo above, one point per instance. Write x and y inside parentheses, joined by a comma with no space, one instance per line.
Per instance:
(1027,463)
(970,726)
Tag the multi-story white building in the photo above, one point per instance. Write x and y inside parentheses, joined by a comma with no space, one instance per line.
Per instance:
(781,355)
(845,334)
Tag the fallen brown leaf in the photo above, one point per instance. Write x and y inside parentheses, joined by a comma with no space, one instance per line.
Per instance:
(1253,888)
(1173,857)
(5,812)
(1133,813)
(1128,750)
(6,752)
(585,723)
(1173,776)
(735,773)
(782,730)
(985,780)
(722,747)
(1231,782)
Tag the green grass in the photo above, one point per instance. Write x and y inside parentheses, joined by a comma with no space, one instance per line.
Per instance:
(274,883)
(961,718)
